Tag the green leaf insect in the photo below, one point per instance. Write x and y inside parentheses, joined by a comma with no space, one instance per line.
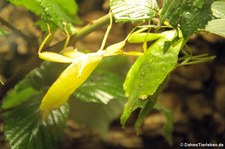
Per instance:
(150,70)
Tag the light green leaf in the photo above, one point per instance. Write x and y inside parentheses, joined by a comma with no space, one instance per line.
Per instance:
(218,9)
(31,5)
(24,130)
(192,15)
(216,27)
(16,97)
(35,83)
(133,10)
(3,32)
(53,11)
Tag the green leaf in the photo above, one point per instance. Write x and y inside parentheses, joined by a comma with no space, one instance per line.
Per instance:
(192,15)
(216,27)
(24,129)
(31,5)
(3,32)
(22,125)
(133,10)
(218,9)
(168,127)
(101,87)
(53,11)
(149,71)
(35,83)
(17,96)
(59,11)
(95,115)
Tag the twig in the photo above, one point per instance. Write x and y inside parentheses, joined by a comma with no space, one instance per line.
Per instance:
(86,30)
(18,32)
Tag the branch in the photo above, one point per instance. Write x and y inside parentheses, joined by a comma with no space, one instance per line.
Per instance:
(86,30)
(18,32)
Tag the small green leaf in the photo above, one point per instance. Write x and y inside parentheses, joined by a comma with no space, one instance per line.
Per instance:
(133,10)
(3,32)
(216,27)
(24,130)
(218,9)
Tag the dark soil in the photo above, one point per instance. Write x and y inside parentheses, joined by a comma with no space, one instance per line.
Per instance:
(195,93)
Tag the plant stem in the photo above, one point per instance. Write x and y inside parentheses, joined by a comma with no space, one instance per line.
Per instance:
(86,30)
(18,32)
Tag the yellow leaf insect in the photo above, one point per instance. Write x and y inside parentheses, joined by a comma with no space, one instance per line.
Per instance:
(81,66)
(70,79)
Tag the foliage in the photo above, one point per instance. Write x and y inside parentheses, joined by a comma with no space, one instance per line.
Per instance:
(132,11)
(53,11)
(3,32)
(190,15)
(216,25)
(29,132)
(25,100)
(101,95)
